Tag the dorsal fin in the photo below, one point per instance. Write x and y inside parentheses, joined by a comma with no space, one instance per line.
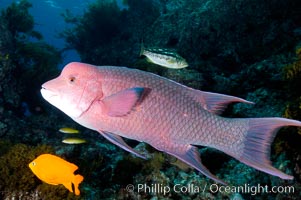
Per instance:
(214,102)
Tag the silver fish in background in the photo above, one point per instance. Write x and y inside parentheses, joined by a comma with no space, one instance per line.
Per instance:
(173,118)
(73,141)
(68,130)
(164,57)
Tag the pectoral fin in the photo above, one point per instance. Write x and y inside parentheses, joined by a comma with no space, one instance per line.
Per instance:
(123,102)
(190,155)
(117,140)
(171,61)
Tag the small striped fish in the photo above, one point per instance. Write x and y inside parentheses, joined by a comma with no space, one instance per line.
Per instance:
(164,57)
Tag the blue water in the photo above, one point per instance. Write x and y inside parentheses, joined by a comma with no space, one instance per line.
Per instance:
(49,22)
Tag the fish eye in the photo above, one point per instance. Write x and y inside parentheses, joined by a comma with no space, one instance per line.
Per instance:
(72,79)
(33,163)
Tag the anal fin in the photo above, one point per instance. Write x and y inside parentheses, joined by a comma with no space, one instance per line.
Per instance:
(68,185)
(190,155)
(117,140)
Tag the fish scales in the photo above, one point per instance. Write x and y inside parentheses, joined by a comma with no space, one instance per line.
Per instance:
(167,103)
(122,102)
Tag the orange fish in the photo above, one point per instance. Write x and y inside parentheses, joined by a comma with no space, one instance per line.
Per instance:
(54,170)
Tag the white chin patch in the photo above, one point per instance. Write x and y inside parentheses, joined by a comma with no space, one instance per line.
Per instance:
(61,103)
(48,95)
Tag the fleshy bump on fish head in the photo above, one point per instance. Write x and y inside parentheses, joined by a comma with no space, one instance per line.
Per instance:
(74,90)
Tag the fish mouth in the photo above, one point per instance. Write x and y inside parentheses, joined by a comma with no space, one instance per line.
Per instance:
(47,94)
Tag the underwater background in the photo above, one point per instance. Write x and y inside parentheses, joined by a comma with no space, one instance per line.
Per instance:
(245,48)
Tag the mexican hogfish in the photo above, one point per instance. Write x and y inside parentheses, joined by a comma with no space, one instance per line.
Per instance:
(121,102)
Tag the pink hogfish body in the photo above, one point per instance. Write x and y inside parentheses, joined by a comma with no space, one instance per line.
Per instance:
(121,102)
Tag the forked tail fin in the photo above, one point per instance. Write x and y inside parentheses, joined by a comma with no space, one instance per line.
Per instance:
(257,144)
